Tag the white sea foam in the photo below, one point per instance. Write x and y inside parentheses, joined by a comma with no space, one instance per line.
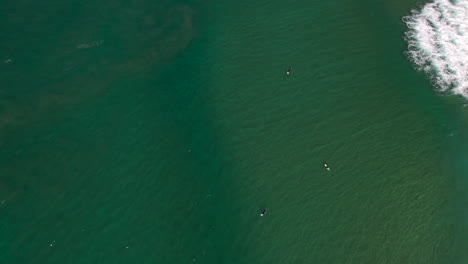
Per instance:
(438,43)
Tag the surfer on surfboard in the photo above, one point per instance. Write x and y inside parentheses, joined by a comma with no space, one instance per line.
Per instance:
(326,166)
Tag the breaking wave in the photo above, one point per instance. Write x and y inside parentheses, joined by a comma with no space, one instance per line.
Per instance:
(438,43)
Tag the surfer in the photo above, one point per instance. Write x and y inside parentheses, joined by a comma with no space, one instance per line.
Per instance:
(326,166)
(288,71)
(263,212)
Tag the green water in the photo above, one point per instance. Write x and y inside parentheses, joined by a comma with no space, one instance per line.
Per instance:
(143,132)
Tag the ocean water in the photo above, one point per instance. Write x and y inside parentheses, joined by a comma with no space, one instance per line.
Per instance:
(144,132)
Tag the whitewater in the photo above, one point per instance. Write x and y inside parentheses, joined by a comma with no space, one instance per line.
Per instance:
(437,40)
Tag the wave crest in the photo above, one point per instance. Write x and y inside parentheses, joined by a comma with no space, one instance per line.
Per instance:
(438,43)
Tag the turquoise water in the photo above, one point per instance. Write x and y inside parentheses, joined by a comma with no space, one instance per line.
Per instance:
(157,132)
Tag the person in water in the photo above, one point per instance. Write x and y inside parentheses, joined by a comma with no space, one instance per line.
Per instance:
(263,212)
(288,71)
(326,166)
